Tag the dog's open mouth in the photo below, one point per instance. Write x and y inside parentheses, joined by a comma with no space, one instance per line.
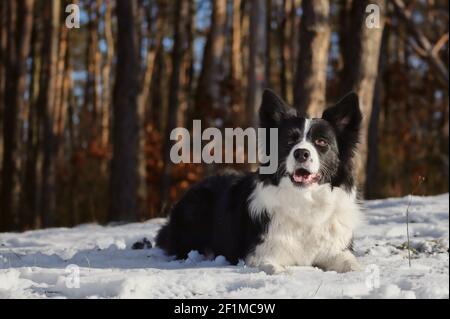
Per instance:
(303,177)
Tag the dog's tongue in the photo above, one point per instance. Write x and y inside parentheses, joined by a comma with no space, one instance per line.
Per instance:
(298,178)
(304,177)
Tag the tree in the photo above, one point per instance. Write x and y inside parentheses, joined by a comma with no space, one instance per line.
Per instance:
(361,57)
(3,55)
(124,178)
(29,199)
(256,72)
(106,74)
(143,99)
(20,27)
(209,83)
(46,104)
(372,166)
(311,74)
(236,64)
(181,21)
(285,47)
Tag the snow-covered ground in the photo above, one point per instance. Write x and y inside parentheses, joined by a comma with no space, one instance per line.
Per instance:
(98,262)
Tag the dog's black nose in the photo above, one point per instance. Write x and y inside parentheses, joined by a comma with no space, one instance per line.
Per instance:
(301,154)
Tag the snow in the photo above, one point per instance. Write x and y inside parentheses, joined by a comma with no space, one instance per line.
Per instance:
(91,261)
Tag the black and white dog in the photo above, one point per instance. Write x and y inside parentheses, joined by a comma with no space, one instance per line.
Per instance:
(304,214)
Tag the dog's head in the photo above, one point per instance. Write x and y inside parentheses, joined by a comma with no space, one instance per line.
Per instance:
(318,150)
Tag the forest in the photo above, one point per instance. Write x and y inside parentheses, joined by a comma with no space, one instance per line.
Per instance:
(87,105)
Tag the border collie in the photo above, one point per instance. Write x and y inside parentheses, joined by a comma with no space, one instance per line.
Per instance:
(304,214)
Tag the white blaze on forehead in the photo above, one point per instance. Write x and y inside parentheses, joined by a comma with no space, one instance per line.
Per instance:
(313,163)
(306,128)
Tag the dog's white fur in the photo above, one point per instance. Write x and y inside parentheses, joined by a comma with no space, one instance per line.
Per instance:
(309,226)
(313,164)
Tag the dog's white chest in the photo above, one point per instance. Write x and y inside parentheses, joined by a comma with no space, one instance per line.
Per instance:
(290,242)
(307,225)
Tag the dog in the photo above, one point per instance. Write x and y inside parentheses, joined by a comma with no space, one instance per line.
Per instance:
(304,214)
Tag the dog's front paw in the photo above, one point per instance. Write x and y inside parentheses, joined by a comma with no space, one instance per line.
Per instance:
(349,265)
(272,269)
(342,262)
(345,262)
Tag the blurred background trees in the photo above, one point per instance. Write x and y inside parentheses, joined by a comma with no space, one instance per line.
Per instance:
(86,113)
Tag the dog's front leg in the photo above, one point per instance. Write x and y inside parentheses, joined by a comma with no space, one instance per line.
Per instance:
(344,261)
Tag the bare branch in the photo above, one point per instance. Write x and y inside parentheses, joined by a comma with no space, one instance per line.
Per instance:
(440,43)
(406,16)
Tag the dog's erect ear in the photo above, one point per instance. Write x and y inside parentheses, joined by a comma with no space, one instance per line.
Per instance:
(273,109)
(346,115)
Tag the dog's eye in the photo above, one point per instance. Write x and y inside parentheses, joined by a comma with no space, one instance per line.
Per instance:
(321,142)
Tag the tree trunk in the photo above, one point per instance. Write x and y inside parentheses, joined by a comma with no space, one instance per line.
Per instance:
(9,121)
(97,62)
(3,56)
(293,43)
(371,185)
(237,108)
(47,108)
(181,14)
(73,176)
(28,202)
(284,45)
(187,70)
(20,29)
(106,75)
(360,70)
(158,88)
(256,72)
(208,95)
(61,65)
(124,178)
(143,98)
(92,98)
(269,67)
(311,74)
